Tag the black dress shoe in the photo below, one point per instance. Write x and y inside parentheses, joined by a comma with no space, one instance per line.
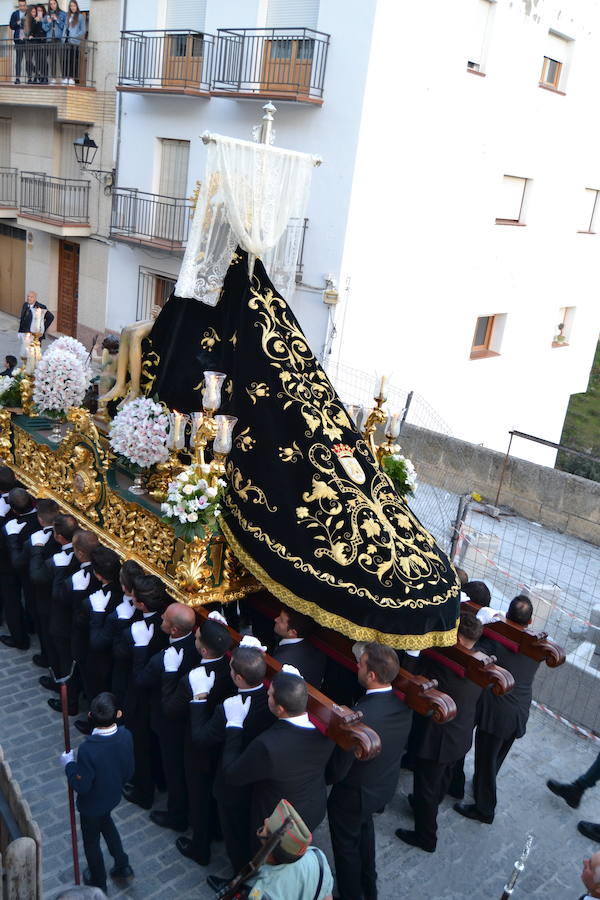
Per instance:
(470,811)
(38,660)
(56,705)
(186,848)
(410,837)
(131,794)
(163,819)
(590,830)
(216,883)
(84,726)
(571,793)
(87,879)
(9,641)
(48,683)
(121,872)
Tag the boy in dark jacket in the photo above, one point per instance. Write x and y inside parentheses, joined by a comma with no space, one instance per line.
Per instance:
(104,764)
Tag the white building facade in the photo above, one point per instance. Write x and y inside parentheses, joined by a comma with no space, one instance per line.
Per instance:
(457,205)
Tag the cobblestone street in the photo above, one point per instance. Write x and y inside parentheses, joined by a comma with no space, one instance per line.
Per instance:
(472,860)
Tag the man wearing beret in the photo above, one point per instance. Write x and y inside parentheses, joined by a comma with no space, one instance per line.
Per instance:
(293,870)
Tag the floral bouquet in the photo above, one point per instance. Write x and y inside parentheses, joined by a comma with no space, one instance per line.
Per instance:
(60,383)
(70,345)
(139,433)
(193,506)
(10,389)
(402,472)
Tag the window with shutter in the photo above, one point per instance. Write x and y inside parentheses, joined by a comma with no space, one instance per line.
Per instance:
(5,125)
(512,201)
(479,27)
(69,167)
(186,15)
(293,13)
(174,161)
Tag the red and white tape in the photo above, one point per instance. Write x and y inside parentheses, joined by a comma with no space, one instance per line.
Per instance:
(577,728)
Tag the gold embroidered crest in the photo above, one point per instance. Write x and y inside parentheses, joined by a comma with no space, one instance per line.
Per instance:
(351,466)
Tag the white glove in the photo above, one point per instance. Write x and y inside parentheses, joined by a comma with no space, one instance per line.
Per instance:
(99,601)
(142,633)
(4,507)
(291,670)
(66,758)
(81,580)
(14,527)
(486,615)
(217,617)
(200,681)
(249,641)
(236,709)
(40,538)
(172,659)
(125,610)
(413,653)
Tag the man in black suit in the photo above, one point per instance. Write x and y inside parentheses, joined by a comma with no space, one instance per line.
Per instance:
(442,746)
(500,720)
(178,623)
(212,643)
(144,639)
(26,319)
(7,482)
(362,788)
(47,511)
(248,670)
(294,649)
(287,761)
(15,583)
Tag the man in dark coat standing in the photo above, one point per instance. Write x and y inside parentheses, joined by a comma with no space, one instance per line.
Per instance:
(362,788)
(294,649)
(287,761)
(26,319)
(442,746)
(15,582)
(500,720)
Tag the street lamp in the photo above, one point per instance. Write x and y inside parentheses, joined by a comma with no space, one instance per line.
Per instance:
(85,152)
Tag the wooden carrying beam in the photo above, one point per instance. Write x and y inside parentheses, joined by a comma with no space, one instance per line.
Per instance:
(339,723)
(419,693)
(519,638)
(476,666)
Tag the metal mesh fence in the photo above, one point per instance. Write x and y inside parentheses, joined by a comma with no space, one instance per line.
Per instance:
(560,573)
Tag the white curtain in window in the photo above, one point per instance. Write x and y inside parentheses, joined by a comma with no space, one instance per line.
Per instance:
(250,194)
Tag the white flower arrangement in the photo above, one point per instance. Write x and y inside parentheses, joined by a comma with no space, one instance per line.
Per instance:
(5,383)
(402,472)
(139,432)
(60,383)
(70,345)
(193,506)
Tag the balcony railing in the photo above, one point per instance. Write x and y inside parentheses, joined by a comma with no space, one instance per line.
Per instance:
(151,219)
(285,62)
(174,61)
(64,201)
(9,188)
(47,64)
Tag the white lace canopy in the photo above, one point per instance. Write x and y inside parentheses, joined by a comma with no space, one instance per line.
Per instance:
(253,195)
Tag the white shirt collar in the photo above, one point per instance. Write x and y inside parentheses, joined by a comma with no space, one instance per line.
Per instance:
(290,641)
(67,547)
(147,615)
(250,690)
(174,640)
(384,690)
(205,661)
(106,732)
(299,721)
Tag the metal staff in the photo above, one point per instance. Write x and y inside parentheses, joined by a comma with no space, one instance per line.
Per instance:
(62,682)
(517,869)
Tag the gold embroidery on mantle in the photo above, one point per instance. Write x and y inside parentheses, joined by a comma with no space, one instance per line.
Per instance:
(244,441)
(302,380)
(209,339)
(257,390)
(250,493)
(290,454)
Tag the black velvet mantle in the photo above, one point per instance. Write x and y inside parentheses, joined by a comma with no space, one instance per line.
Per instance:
(309,512)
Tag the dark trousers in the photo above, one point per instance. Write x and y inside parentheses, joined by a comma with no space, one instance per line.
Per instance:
(71,62)
(171,739)
(95,673)
(61,661)
(91,829)
(19,53)
(591,777)
(203,813)
(149,774)
(490,753)
(234,815)
(14,611)
(353,843)
(431,780)
(41,621)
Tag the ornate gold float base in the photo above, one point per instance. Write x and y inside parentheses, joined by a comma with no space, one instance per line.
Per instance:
(209,573)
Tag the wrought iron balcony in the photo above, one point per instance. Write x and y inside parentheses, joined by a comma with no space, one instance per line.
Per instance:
(177,62)
(60,202)
(150,219)
(286,63)
(9,191)
(47,64)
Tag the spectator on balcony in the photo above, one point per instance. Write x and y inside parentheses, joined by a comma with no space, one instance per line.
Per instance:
(17,26)
(75,29)
(54,25)
(37,36)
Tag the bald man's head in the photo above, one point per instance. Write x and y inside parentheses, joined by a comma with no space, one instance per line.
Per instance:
(178,620)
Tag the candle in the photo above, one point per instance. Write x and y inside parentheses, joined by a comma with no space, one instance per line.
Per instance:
(393,426)
(178,430)
(223,437)
(379,390)
(197,419)
(211,395)
(37,320)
